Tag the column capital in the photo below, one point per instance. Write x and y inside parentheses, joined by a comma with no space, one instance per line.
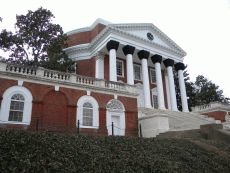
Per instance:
(168,62)
(128,50)
(179,66)
(112,44)
(143,54)
(156,58)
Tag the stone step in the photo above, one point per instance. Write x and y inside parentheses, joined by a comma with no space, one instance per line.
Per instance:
(191,134)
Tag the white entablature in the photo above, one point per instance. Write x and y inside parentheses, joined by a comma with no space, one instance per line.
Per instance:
(127,34)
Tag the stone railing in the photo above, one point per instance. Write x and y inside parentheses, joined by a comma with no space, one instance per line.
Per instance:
(19,69)
(210,106)
(51,75)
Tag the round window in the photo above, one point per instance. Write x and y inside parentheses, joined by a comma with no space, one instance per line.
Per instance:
(150,36)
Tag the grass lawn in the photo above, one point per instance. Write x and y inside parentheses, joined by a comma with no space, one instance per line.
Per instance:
(22,152)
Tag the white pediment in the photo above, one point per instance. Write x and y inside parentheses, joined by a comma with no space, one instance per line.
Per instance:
(141,30)
(143,34)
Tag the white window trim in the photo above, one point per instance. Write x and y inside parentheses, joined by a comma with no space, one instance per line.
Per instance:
(6,101)
(95,105)
(120,113)
(134,72)
(122,62)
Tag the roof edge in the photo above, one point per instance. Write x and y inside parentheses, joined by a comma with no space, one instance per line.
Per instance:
(98,21)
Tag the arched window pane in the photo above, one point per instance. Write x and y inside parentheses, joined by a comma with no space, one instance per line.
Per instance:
(87,114)
(17,97)
(115,106)
(87,105)
(16,108)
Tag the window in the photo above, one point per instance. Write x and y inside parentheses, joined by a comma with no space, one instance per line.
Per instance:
(137,72)
(120,68)
(152,75)
(155,101)
(87,112)
(154,98)
(16,106)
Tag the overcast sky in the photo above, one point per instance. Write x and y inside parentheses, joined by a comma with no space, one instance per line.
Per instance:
(200,27)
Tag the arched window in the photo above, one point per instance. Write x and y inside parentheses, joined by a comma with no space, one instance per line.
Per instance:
(16,106)
(87,112)
(115,115)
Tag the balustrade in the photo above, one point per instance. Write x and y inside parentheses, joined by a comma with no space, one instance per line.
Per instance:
(20,69)
(56,75)
(68,77)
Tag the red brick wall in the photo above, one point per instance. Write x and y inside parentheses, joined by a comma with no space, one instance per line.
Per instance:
(56,110)
(218,115)
(84,37)
(86,67)
(6,83)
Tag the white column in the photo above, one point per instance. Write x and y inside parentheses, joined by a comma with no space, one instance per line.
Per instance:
(128,51)
(145,74)
(183,91)
(112,47)
(112,65)
(168,92)
(129,66)
(160,93)
(99,73)
(172,89)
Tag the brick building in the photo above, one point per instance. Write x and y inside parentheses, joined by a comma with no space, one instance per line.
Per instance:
(123,79)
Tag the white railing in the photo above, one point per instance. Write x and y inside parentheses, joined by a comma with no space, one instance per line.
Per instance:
(211,105)
(53,75)
(56,75)
(20,69)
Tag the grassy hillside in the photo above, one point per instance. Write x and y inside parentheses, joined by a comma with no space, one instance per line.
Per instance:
(46,152)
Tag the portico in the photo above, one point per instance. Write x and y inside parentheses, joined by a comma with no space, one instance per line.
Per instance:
(130,56)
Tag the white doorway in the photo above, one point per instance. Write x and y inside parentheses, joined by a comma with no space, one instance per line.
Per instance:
(115,114)
(116,125)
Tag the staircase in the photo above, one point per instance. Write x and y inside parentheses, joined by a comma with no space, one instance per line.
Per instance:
(155,121)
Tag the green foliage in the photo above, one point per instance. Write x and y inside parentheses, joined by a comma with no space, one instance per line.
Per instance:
(206,91)
(200,92)
(37,41)
(45,152)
